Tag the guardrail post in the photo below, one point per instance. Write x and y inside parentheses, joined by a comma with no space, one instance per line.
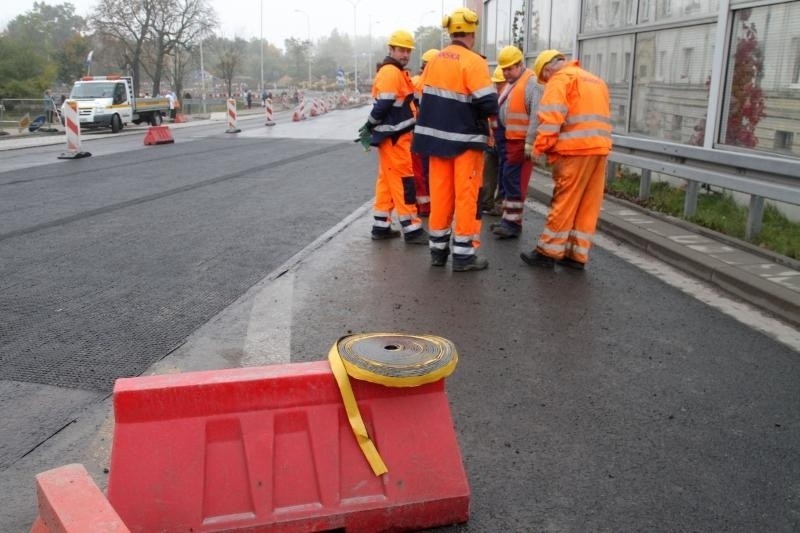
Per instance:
(644,184)
(690,202)
(755,216)
(611,170)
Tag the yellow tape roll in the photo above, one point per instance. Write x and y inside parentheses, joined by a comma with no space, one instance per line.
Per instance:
(388,359)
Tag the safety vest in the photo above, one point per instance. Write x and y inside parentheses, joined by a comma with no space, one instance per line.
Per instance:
(393,93)
(458,97)
(517,116)
(574,114)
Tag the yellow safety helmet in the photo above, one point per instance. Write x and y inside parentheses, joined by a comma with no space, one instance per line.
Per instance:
(462,20)
(509,56)
(497,75)
(402,38)
(543,59)
(428,55)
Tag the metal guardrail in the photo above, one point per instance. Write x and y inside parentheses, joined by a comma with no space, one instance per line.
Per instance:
(759,176)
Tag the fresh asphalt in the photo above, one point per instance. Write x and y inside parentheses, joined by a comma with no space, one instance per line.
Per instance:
(623,398)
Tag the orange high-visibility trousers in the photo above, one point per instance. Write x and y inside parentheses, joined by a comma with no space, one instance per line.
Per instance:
(455,185)
(577,197)
(394,187)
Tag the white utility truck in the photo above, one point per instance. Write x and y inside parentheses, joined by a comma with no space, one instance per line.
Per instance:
(109,102)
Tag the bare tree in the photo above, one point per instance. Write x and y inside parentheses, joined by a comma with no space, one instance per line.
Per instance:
(151,30)
(177,24)
(229,57)
(128,22)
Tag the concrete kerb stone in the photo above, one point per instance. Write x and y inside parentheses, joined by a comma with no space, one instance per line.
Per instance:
(771,297)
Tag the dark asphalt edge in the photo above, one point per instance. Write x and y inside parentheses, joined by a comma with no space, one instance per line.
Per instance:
(784,304)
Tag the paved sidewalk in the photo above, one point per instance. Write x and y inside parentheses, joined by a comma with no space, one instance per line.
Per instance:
(762,278)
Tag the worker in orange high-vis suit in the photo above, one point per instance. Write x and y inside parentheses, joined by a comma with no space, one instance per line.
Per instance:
(419,162)
(391,122)
(575,133)
(458,98)
(518,116)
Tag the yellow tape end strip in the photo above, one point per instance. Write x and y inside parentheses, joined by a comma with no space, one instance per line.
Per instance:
(353,415)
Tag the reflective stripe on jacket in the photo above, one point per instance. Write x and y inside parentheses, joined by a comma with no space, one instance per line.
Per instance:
(458,97)
(392,113)
(574,114)
(521,102)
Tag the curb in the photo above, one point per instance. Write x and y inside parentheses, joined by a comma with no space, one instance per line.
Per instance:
(768,296)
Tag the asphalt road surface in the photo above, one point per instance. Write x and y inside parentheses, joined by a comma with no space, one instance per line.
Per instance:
(603,401)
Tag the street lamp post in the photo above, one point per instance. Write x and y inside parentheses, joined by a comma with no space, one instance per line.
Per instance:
(308,30)
(354,3)
(370,65)
(261,20)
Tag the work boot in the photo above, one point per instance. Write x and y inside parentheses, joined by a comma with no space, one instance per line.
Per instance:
(535,258)
(571,263)
(495,211)
(380,235)
(439,259)
(419,236)
(475,262)
(506,231)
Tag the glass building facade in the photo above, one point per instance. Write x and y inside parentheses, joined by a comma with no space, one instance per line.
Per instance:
(722,74)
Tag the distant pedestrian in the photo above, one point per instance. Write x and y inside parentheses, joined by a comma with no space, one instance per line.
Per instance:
(49,106)
(249,98)
(575,133)
(171,100)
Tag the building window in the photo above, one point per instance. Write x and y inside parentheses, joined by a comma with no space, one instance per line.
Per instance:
(796,67)
(612,68)
(626,68)
(784,141)
(686,66)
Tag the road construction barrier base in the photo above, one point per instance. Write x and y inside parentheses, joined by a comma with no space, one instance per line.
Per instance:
(74,155)
(270,123)
(233,130)
(70,502)
(180,118)
(158,135)
(271,448)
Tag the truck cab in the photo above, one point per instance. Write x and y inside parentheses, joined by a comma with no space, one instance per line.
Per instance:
(108,102)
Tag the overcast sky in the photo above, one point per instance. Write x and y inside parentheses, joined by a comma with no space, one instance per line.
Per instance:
(281,19)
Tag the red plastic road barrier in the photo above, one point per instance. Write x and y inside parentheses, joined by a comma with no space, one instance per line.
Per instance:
(179,118)
(271,447)
(70,502)
(158,135)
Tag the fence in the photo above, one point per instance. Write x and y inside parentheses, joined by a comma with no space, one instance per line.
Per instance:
(13,110)
(758,176)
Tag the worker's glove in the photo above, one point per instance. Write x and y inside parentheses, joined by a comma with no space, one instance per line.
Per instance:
(365,136)
(528,151)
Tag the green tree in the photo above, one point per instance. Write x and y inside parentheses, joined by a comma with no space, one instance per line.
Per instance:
(24,73)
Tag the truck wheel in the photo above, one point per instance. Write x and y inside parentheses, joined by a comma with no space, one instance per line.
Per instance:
(116,124)
(155,119)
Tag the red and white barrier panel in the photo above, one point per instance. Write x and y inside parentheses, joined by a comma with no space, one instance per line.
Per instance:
(73,127)
(268,107)
(232,128)
(299,111)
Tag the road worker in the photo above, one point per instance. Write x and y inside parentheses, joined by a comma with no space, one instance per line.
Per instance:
(574,132)
(491,200)
(458,98)
(390,124)
(419,162)
(517,114)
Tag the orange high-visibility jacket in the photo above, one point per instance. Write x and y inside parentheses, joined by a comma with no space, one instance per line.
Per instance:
(458,97)
(574,114)
(393,110)
(516,110)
